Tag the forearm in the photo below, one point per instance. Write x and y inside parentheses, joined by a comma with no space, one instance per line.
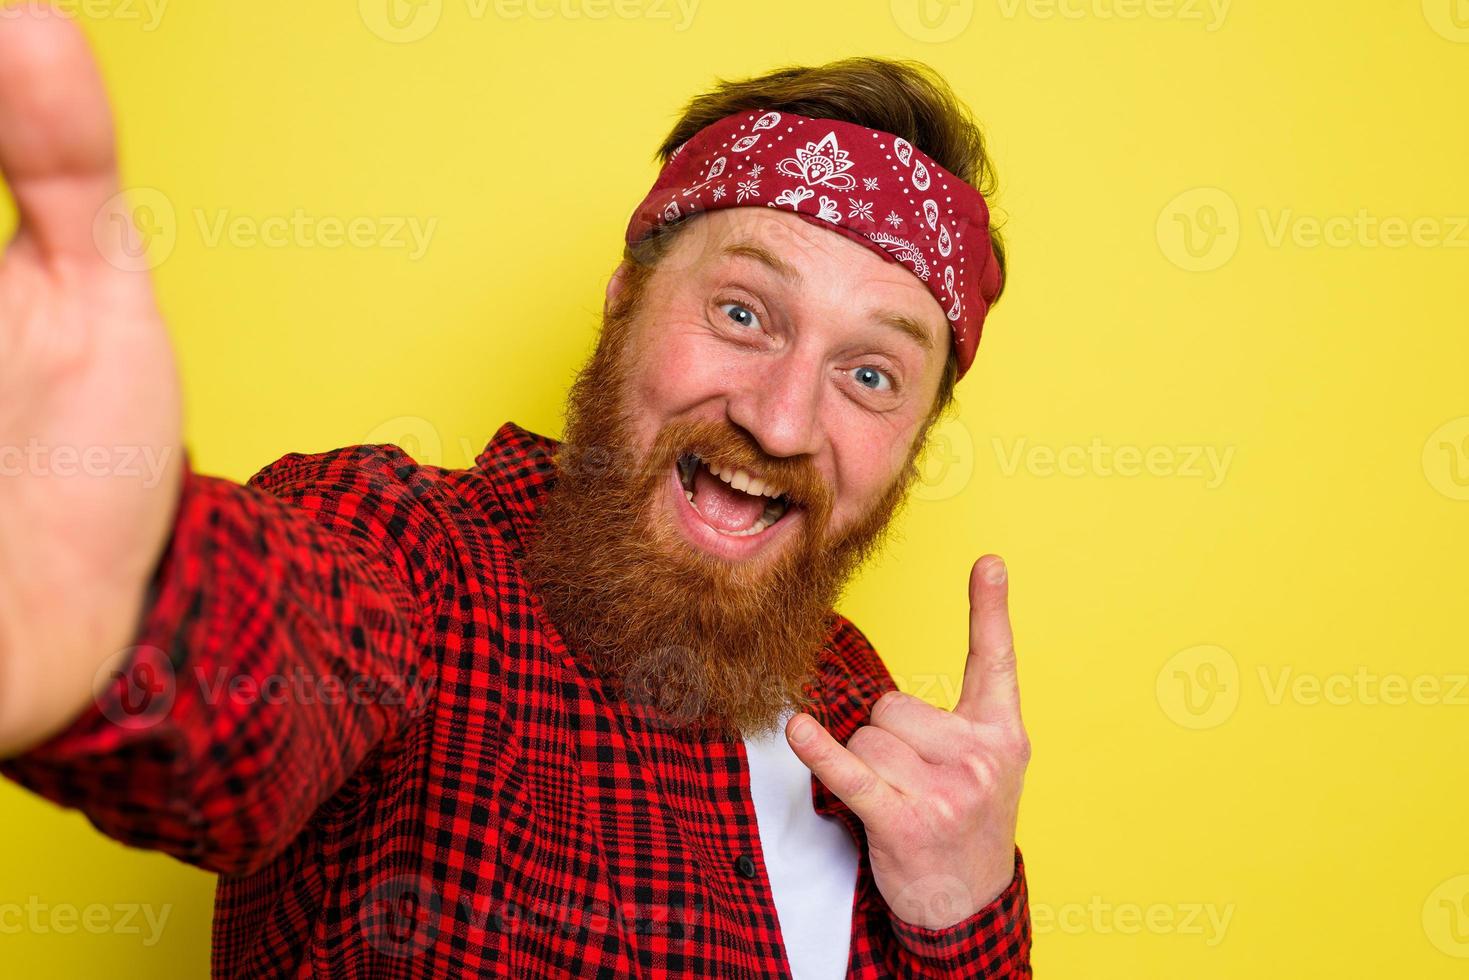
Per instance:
(280,645)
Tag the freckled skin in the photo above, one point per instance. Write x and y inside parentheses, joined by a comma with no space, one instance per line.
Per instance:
(789,374)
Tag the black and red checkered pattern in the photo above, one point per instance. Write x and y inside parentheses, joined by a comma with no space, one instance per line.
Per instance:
(346,701)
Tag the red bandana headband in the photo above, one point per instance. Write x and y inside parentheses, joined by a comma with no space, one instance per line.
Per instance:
(873,187)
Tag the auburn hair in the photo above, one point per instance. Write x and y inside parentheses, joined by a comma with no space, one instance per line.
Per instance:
(903,97)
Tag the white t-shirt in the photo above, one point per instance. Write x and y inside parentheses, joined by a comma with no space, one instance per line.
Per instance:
(812,860)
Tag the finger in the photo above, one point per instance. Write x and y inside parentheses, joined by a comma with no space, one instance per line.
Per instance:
(853,781)
(56,143)
(896,762)
(929,731)
(991,691)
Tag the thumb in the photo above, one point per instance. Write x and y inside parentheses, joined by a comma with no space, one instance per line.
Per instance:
(56,139)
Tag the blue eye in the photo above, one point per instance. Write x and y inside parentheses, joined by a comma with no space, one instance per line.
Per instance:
(750,320)
(870,377)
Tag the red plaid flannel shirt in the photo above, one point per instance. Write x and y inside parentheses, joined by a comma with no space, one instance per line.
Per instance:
(346,701)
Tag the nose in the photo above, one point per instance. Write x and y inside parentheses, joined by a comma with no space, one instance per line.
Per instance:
(779,404)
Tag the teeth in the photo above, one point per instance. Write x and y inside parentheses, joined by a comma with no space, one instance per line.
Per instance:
(741,480)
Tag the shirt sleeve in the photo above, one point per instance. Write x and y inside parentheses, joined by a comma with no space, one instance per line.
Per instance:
(992,943)
(281,644)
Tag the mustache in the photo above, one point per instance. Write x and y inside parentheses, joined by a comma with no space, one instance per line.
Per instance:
(715,442)
(729,447)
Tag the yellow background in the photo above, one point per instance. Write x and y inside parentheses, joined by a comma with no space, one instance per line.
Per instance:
(1148,155)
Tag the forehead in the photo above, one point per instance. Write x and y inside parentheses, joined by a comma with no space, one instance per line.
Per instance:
(821,263)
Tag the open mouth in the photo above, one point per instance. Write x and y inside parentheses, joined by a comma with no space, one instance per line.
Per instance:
(731,500)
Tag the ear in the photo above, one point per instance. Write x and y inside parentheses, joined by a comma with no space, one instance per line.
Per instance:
(614,285)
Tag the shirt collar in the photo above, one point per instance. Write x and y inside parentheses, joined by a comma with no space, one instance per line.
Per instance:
(520,466)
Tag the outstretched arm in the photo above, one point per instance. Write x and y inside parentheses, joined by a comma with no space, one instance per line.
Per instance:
(195,664)
(286,647)
(86,374)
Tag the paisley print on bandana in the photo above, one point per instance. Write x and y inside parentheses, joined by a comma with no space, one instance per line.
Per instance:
(933,223)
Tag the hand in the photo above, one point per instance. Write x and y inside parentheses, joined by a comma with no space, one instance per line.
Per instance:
(90,420)
(938,791)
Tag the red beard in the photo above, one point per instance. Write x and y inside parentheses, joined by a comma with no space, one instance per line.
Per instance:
(691,639)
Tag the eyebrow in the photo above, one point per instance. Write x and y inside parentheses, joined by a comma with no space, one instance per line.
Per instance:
(907,325)
(759,253)
(765,256)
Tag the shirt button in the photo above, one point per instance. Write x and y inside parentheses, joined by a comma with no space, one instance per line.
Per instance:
(745,866)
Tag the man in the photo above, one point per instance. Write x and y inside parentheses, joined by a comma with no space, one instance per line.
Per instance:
(582,708)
